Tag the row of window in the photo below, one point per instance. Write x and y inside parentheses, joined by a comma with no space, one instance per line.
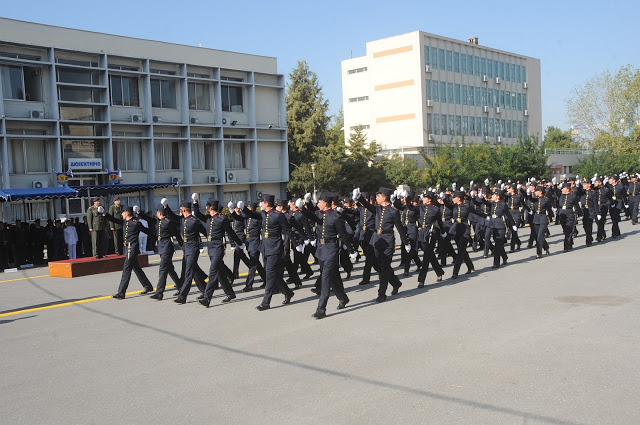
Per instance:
(456,125)
(462,94)
(357,70)
(463,63)
(358,99)
(31,155)
(24,83)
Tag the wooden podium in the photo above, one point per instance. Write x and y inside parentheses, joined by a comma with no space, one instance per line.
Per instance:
(90,265)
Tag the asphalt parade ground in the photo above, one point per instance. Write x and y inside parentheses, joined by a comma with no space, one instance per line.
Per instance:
(548,341)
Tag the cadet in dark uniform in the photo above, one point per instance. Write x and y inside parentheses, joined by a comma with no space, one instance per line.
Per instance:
(618,194)
(603,200)
(190,230)
(587,203)
(633,194)
(514,201)
(461,231)
(542,215)
(166,230)
(217,225)
(238,228)
(98,227)
(304,226)
(409,217)
(499,214)
(291,236)
(445,249)
(274,224)
(252,240)
(384,241)
(330,234)
(131,229)
(367,225)
(115,210)
(566,204)
(429,223)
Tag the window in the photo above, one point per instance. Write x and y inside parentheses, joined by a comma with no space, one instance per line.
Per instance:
(234,155)
(232,99)
(199,96)
(434,57)
(28,156)
(21,83)
(77,76)
(456,62)
(167,155)
(203,155)
(127,155)
(236,196)
(449,63)
(357,70)
(429,124)
(81,149)
(163,94)
(358,99)
(362,127)
(124,91)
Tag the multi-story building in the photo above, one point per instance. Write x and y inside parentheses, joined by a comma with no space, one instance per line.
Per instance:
(418,90)
(211,120)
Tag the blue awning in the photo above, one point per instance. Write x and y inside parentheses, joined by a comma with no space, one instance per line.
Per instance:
(116,189)
(36,193)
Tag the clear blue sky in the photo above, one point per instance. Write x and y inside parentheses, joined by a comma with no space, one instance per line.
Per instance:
(574,40)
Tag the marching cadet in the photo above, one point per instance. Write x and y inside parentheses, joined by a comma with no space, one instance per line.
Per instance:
(528,205)
(542,215)
(290,237)
(514,201)
(603,200)
(429,225)
(445,248)
(166,230)
(383,241)
(344,257)
(274,224)
(633,194)
(566,205)
(252,229)
(304,226)
(588,206)
(618,194)
(115,210)
(131,229)
(238,254)
(330,234)
(461,230)
(217,225)
(409,217)
(499,214)
(190,230)
(98,227)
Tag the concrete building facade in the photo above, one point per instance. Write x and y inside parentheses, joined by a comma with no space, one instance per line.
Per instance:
(417,90)
(211,120)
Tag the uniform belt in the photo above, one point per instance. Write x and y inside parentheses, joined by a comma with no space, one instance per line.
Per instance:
(214,239)
(164,239)
(327,241)
(385,232)
(272,236)
(252,236)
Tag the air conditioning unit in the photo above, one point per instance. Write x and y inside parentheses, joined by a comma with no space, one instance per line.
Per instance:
(429,103)
(497,80)
(485,78)
(39,184)
(427,68)
(193,120)
(136,118)
(176,180)
(485,109)
(225,121)
(497,110)
(524,85)
(157,118)
(499,139)
(526,113)
(231,177)
(430,137)
(37,114)
(213,179)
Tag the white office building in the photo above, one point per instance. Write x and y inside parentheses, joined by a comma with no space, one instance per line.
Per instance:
(211,120)
(417,90)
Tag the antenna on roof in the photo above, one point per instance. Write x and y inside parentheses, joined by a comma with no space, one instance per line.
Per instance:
(200,44)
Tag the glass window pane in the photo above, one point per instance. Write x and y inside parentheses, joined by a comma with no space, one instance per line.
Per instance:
(12,82)
(116,90)
(155,94)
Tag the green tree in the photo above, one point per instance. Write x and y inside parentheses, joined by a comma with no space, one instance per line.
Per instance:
(359,167)
(554,138)
(307,118)
(401,170)
(605,163)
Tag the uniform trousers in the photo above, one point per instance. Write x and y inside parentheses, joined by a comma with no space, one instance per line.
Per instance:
(412,254)
(216,273)
(429,257)
(131,263)
(499,237)
(384,246)
(462,241)
(587,225)
(166,269)
(330,278)
(99,242)
(273,267)
(615,221)
(541,237)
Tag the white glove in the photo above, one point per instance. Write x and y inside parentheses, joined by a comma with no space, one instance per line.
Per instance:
(354,255)
(502,186)
(442,195)
(530,212)
(100,209)
(194,196)
(528,191)
(499,182)
(472,194)
(339,209)
(314,242)
(533,179)
(454,185)
(243,246)
(240,205)
(164,201)
(626,206)
(481,195)
(393,198)
(407,248)
(231,205)
(444,235)
(553,180)
(577,178)
(486,182)
(599,217)
(515,229)
(405,193)
(438,186)
(136,209)
(471,183)
(307,197)
(299,248)
(299,203)
(488,218)
(307,242)
(519,186)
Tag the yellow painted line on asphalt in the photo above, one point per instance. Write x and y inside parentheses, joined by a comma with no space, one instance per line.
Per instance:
(23,278)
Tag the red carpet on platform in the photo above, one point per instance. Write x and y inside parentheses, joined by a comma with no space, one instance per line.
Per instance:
(90,265)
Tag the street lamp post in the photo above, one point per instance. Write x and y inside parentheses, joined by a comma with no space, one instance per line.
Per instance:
(313,171)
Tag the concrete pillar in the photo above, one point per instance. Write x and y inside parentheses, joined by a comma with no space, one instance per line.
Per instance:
(147,113)
(187,166)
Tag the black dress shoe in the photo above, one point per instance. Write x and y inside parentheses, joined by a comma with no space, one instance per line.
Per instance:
(297,285)
(420,284)
(180,300)
(495,266)
(247,289)
(439,279)
(405,274)
(308,275)
(363,282)
(156,296)
(381,298)
(469,271)
(348,276)
(263,286)
(200,297)
(343,304)
(319,315)
(147,290)
(204,303)
(287,298)
(454,276)
(118,296)
(395,290)
(315,290)
(262,307)
(229,298)
(504,262)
